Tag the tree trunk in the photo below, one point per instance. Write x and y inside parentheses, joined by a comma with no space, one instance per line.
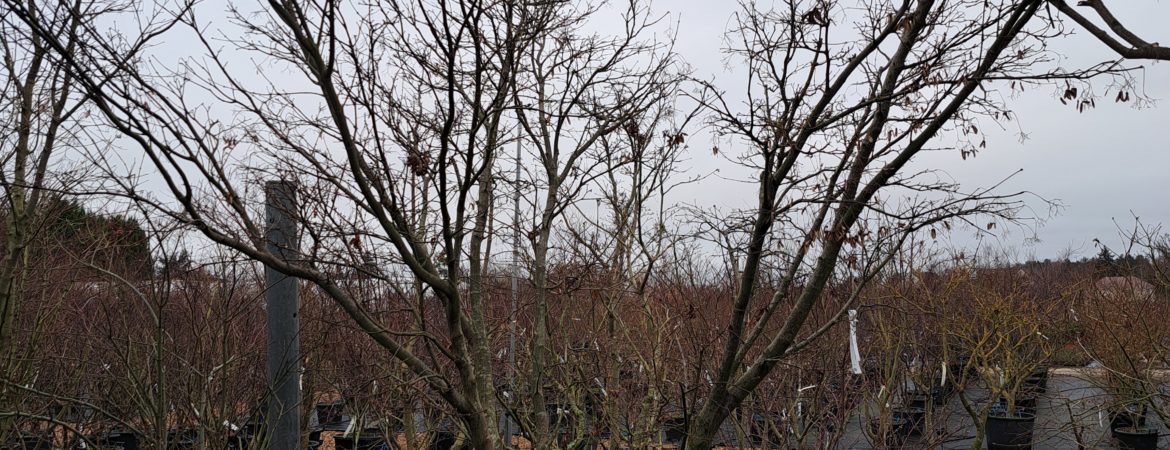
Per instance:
(542,435)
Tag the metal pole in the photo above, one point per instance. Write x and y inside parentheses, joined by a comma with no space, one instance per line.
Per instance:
(281,306)
(515,288)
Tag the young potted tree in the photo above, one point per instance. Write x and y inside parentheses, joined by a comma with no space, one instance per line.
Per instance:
(1125,333)
(887,425)
(1002,328)
(931,382)
(1128,410)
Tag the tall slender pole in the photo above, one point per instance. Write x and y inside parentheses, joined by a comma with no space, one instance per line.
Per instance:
(281,306)
(515,288)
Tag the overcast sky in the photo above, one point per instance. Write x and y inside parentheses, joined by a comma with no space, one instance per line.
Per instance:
(1105,165)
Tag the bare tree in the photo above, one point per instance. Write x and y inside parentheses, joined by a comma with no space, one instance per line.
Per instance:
(39,104)
(839,100)
(575,91)
(393,129)
(392,117)
(626,243)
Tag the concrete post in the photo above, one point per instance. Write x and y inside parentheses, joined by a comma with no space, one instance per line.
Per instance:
(282,306)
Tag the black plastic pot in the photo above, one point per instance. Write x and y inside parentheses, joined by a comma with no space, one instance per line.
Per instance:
(330,412)
(941,394)
(127,441)
(256,422)
(371,441)
(1027,403)
(445,440)
(1136,438)
(936,396)
(1012,432)
(674,430)
(253,428)
(765,430)
(185,439)
(922,401)
(237,442)
(1037,382)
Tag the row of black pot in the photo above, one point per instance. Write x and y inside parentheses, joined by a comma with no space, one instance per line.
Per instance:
(1036,382)
(1011,427)
(1014,431)
(909,419)
(371,439)
(114,440)
(904,423)
(27,443)
(329,413)
(185,439)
